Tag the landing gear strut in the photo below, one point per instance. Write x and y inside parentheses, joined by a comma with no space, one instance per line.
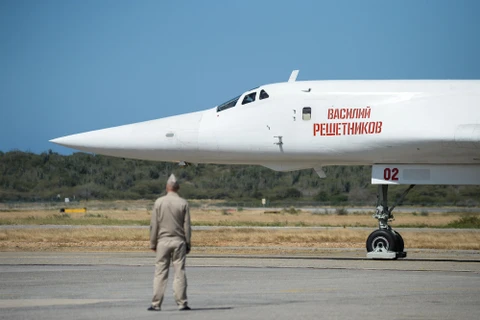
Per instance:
(386,243)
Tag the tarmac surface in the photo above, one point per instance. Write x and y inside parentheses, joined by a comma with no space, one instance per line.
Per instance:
(339,284)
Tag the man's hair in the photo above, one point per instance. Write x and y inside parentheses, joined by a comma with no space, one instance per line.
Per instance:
(172,183)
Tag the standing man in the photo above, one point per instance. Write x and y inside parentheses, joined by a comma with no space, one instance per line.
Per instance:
(170,234)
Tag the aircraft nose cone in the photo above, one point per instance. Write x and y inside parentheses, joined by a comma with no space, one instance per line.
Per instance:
(151,140)
(68,141)
(111,138)
(58,141)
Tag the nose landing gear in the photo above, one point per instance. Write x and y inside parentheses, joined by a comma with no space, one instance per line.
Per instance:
(385,243)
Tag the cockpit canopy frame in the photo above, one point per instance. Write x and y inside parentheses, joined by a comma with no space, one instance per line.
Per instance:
(248,97)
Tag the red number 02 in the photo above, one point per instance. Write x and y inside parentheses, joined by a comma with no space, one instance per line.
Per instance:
(390,174)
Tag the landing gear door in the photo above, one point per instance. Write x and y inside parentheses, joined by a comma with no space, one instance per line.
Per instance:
(426,174)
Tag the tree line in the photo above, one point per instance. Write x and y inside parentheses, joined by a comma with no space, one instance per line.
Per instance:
(50,176)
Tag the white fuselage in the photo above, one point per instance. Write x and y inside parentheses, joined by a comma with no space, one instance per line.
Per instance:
(308,124)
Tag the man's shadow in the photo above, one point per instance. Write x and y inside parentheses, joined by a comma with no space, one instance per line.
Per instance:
(210,309)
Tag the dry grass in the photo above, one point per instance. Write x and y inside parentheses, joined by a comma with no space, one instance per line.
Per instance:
(242,240)
(74,239)
(222,217)
(134,215)
(303,218)
(295,238)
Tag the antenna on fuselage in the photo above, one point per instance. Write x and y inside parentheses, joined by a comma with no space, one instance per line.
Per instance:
(293,76)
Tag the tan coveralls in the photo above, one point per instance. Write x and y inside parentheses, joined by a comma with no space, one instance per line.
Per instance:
(170,233)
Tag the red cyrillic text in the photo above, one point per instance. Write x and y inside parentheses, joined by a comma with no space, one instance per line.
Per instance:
(346,128)
(348,113)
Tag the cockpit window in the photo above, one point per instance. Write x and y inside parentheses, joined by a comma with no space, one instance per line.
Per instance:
(249,98)
(227,105)
(263,95)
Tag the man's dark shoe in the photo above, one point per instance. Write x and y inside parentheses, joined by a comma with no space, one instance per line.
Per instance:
(184,308)
(152,308)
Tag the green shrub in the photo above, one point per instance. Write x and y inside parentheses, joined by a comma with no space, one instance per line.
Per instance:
(339,198)
(466,222)
(291,210)
(321,196)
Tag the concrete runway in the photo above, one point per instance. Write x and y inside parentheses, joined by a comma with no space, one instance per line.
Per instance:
(338,285)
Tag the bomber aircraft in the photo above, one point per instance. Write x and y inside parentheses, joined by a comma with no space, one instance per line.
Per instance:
(412,132)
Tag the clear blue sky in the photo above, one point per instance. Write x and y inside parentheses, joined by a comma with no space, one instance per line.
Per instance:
(71,66)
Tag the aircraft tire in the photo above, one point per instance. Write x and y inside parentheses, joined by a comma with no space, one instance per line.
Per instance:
(381,239)
(399,244)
